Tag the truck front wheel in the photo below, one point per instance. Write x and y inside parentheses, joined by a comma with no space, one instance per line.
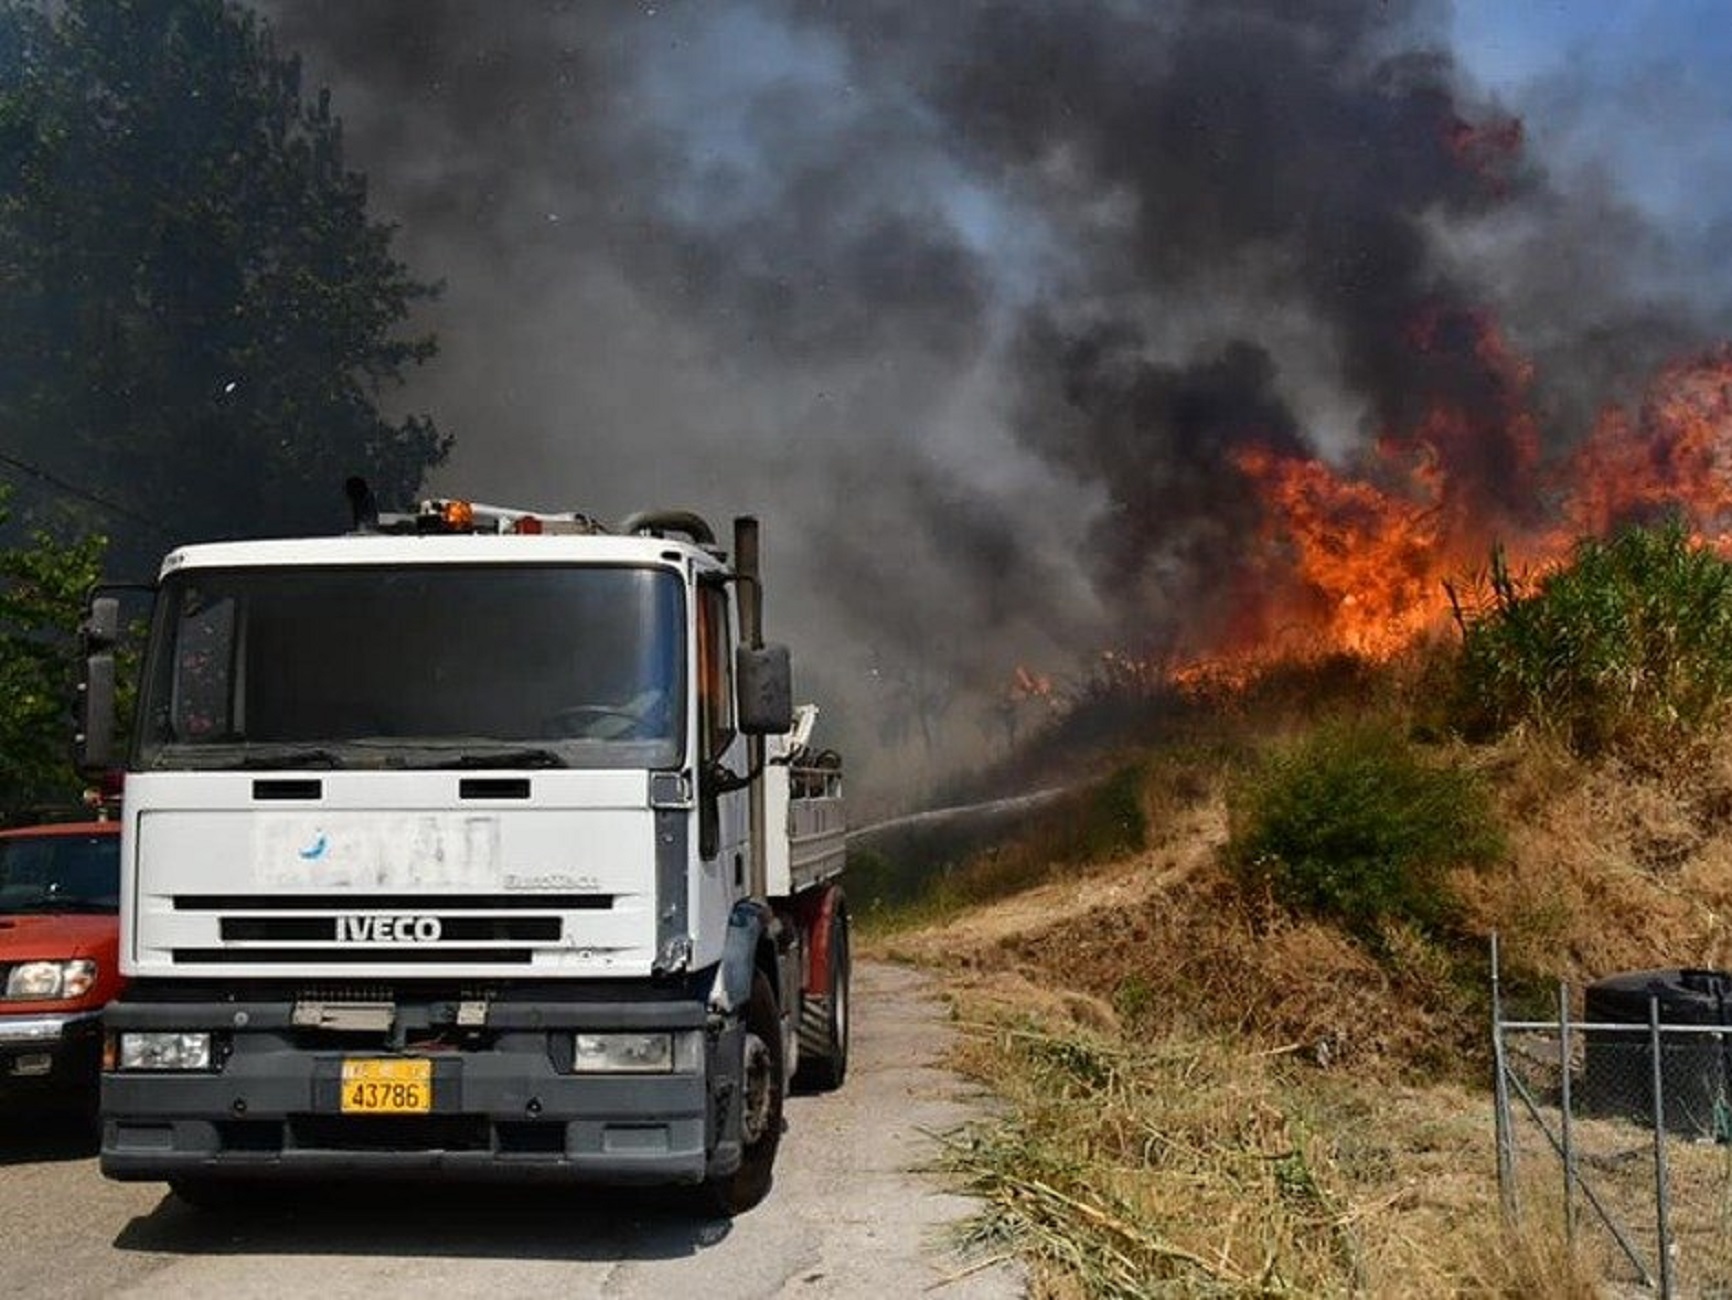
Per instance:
(761,1094)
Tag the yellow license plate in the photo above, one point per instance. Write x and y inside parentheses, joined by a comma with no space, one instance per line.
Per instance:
(387,1086)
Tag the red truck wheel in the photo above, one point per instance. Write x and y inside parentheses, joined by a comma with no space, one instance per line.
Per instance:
(824,1020)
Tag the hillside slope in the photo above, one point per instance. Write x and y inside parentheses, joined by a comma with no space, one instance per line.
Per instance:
(1213,1093)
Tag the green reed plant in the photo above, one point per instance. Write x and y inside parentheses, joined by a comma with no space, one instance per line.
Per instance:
(1627,649)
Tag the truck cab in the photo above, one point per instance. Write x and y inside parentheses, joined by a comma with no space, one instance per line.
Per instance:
(447,851)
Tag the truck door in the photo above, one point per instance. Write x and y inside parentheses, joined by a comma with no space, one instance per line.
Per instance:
(724,814)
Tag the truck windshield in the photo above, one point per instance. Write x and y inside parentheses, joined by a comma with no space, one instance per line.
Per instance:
(420,666)
(59,873)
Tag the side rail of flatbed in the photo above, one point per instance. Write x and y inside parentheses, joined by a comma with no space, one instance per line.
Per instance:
(805,799)
(817,825)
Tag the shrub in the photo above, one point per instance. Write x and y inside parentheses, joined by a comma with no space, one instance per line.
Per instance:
(1351,822)
(1627,649)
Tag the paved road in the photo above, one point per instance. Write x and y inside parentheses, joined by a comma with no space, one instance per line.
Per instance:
(847,1217)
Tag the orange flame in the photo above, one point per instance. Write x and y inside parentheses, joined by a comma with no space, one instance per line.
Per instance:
(1675,455)
(1357,561)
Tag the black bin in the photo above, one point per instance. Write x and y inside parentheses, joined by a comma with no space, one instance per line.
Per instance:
(1695,1078)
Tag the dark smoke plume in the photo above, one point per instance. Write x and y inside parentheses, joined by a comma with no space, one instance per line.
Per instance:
(975,303)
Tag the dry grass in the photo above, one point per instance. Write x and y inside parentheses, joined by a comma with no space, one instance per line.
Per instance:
(1197,1167)
(1208,1096)
(1612,868)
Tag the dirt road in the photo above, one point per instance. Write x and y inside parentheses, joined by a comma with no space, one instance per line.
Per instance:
(848,1216)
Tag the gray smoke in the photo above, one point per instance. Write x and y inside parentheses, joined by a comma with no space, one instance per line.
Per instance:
(973,304)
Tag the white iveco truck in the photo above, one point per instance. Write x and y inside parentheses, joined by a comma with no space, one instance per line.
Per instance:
(474,843)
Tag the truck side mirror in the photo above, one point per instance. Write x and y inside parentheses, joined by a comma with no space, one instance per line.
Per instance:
(93,743)
(765,682)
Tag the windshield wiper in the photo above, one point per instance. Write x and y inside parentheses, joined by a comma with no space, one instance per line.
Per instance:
(276,758)
(503,758)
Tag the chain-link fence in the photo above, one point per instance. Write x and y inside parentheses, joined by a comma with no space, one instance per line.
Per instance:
(1614,1123)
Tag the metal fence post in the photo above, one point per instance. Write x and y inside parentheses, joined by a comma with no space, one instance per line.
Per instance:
(1662,1188)
(1569,1151)
(1505,1139)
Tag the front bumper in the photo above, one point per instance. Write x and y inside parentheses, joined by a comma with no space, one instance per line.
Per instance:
(503,1110)
(48,1058)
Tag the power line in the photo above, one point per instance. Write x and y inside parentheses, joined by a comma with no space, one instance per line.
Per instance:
(72,489)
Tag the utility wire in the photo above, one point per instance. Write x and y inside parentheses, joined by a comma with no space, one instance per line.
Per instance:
(72,489)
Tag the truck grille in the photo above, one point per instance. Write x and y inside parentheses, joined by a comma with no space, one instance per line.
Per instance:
(393,902)
(370,929)
(403,954)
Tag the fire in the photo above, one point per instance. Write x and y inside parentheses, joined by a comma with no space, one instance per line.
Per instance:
(1675,454)
(1352,563)
(1357,560)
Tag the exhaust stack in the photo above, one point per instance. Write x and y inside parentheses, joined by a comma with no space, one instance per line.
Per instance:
(746,567)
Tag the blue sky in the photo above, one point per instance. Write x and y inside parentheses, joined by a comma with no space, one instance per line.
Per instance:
(1643,87)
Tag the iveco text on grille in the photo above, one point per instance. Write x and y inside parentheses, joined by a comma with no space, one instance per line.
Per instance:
(388,929)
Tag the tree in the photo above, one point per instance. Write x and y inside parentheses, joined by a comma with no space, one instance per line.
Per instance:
(198,318)
(42,588)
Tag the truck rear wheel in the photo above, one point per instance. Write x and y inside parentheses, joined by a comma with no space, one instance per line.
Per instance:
(761,1095)
(824,1020)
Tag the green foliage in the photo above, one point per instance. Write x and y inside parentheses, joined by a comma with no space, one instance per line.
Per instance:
(42,590)
(1627,649)
(1352,822)
(197,316)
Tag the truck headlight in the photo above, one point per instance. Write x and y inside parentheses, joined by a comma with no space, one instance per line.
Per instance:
(160,1051)
(50,981)
(623,1054)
